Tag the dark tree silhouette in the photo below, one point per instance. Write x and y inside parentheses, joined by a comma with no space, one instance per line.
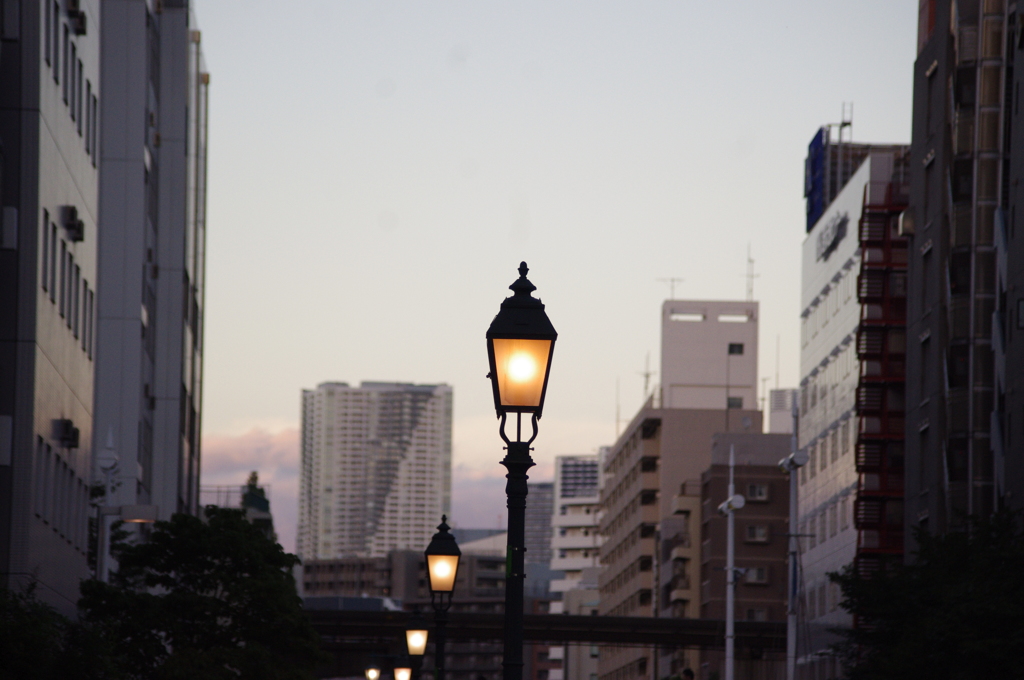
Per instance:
(204,599)
(956,611)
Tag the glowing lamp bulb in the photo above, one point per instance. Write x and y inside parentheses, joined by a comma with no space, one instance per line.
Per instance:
(522,367)
(372,674)
(442,569)
(403,673)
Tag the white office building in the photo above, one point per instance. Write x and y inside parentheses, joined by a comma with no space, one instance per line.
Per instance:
(575,539)
(376,468)
(832,318)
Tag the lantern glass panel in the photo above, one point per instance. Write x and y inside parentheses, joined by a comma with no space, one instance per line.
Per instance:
(521,366)
(441,571)
(403,673)
(416,641)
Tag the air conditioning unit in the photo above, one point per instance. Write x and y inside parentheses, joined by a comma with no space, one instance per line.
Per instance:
(74,226)
(77,17)
(67,434)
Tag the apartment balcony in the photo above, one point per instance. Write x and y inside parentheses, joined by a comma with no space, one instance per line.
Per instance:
(681,595)
(573,563)
(592,542)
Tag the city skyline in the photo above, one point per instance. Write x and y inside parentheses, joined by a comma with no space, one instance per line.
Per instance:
(434,149)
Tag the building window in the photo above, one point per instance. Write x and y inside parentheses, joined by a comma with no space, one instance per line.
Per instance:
(46,224)
(757,533)
(63,276)
(757,492)
(757,615)
(757,575)
(734,402)
(72,85)
(56,41)
(47,38)
(65,81)
(736,348)
(78,98)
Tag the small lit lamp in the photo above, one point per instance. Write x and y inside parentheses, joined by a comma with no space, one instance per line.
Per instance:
(416,633)
(403,672)
(520,343)
(372,672)
(442,567)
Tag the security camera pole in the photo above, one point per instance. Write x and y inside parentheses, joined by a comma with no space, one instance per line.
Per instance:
(789,465)
(734,502)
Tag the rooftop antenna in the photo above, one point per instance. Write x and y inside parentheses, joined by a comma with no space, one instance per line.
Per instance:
(617,409)
(750,275)
(671,281)
(776,361)
(647,373)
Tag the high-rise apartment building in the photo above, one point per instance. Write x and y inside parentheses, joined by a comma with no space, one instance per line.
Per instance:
(961,221)
(575,538)
(709,376)
(851,404)
(49,95)
(538,522)
(152,211)
(376,468)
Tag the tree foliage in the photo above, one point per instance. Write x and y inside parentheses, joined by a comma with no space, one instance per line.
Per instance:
(956,611)
(210,599)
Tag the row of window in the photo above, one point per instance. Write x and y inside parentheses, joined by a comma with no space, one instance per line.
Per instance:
(61,54)
(828,449)
(828,380)
(817,317)
(63,280)
(817,529)
(61,497)
(821,600)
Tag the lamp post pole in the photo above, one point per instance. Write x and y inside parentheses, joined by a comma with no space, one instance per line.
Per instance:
(520,342)
(517,461)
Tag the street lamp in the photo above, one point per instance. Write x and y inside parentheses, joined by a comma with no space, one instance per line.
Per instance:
(131,514)
(520,342)
(416,641)
(372,672)
(442,567)
(403,672)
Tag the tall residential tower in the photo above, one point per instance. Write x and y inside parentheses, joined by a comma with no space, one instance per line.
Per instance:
(376,468)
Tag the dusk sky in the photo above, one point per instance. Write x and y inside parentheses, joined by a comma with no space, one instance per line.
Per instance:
(379,169)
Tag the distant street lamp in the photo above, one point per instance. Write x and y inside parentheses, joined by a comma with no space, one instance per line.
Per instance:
(131,514)
(372,672)
(416,641)
(403,671)
(442,567)
(520,342)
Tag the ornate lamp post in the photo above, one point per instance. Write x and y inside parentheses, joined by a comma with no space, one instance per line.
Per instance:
(442,567)
(520,342)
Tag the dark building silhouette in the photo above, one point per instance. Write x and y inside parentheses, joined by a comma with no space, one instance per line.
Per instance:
(960,316)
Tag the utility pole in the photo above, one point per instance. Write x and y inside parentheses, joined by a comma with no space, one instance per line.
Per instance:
(728,508)
(790,464)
